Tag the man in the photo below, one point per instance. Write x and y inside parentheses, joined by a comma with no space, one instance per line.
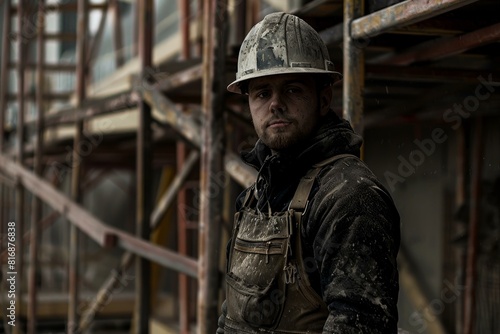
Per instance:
(316,237)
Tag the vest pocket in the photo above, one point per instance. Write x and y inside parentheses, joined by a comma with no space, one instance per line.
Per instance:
(259,307)
(264,248)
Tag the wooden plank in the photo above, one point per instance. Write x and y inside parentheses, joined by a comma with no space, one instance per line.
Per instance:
(401,14)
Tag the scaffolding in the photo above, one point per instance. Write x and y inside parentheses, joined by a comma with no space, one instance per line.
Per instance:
(190,107)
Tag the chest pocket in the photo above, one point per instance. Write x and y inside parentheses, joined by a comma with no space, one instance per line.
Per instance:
(255,292)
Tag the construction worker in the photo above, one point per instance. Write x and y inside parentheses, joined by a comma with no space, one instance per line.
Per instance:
(315,239)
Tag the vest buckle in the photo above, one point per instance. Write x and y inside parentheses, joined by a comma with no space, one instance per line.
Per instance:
(290,273)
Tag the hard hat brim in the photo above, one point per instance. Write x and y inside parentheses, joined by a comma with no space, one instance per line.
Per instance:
(234,86)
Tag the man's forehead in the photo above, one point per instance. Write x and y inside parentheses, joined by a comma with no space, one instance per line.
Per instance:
(279,79)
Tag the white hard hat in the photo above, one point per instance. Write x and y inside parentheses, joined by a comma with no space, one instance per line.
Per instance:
(280,44)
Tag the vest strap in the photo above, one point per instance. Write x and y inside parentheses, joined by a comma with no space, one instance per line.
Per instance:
(300,198)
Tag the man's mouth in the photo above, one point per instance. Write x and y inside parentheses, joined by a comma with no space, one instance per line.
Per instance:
(278,123)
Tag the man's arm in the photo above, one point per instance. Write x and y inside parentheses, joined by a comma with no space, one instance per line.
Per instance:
(356,229)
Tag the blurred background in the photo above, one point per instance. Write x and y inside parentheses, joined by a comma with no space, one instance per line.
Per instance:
(119,148)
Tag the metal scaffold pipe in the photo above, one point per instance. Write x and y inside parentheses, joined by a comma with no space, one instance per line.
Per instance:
(212,153)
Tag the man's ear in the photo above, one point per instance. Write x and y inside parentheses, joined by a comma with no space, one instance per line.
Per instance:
(325,99)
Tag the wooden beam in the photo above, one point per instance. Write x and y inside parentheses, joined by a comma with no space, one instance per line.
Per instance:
(4,73)
(61,67)
(64,6)
(181,78)
(443,47)
(48,96)
(36,210)
(212,153)
(180,122)
(105,292)
(144,172)
(20,198)
(92,108)
(74,212)
(241,173)
(401,14)
(76,172)
(117,33)
(102,234)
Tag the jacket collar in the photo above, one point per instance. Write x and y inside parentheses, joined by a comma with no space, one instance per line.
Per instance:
(334,137)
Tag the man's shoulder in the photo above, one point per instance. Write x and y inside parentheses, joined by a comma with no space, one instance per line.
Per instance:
(348,175)
(342,167)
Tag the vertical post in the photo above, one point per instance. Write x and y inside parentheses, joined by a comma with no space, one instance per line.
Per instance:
(117,32)
(74,247)
(212,172)
(144,171)
(182,245)
(460,198)
(181,197)
(20,154)
(353,68)
(253,13)
(36,212)
(4,83)
(474,220)
(4,69)
(240,19)
(184,11)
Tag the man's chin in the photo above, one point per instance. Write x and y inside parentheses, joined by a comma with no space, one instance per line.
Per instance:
(279,143)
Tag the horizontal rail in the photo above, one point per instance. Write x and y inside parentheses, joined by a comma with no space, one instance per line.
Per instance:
(62,67)
(66,7)
(57,200)
(401,14)
(181,78)
(184,124)
(93,108)
(240,172)
(160,255)
(444,47)
(104,235)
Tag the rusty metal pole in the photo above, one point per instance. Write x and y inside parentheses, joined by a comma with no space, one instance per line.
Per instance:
(4,69)
(74,247)
(20,209)
(106,291)
(182,247)
(474,221)
(353,84)
(184,295)
(144,172)
(4,83)
(36,212)
(117,33)
(212,165)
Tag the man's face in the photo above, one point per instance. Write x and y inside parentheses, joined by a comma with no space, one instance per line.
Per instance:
(286,109)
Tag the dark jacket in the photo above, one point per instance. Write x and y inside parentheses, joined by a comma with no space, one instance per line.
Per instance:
(350,231)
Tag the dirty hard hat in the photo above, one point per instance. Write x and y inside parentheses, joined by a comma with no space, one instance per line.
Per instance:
(280,44)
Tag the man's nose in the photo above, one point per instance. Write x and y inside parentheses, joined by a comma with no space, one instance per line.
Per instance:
(277,103)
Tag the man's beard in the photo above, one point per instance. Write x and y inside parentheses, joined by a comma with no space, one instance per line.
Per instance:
(286,141)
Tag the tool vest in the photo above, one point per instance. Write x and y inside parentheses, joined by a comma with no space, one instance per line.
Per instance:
(268,290)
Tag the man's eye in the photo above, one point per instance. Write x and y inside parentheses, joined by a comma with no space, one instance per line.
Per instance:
(293,90)
(262,94)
